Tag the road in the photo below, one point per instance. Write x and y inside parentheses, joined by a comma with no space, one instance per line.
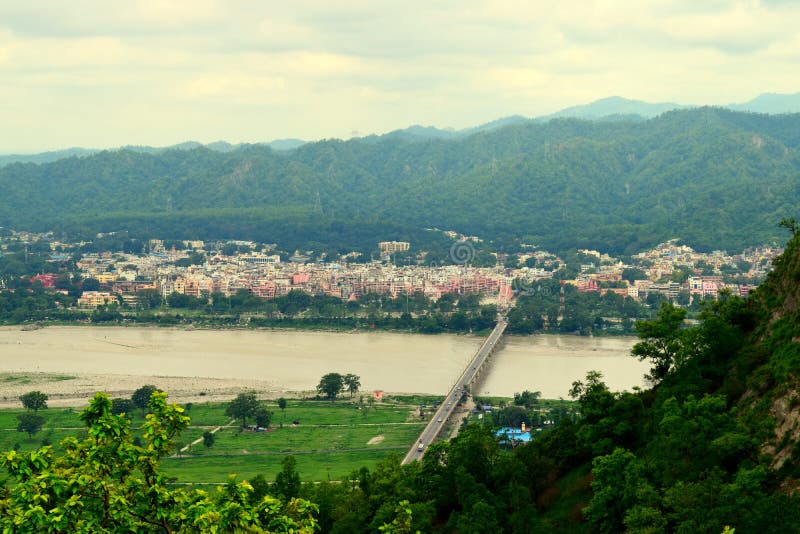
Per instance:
(445,410)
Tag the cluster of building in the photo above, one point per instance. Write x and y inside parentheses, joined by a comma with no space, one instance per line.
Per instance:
(267,276)
(703,272)
(264,273)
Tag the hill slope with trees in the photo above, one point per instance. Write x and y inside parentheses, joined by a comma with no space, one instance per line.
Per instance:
(713,177)
(713,444)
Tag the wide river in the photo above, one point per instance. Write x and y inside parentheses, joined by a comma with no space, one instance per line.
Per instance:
(294,360)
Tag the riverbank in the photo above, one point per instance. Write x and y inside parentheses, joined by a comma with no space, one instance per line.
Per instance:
(75,390)
(294,326)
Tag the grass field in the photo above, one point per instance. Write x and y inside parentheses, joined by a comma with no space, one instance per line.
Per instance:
(329,442)
(312,467)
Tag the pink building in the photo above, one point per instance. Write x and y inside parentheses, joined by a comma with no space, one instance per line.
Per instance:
(587,287)
(47,280)
(710,288)
(300,278)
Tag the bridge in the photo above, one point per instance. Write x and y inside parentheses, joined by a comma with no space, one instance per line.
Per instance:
(445,410)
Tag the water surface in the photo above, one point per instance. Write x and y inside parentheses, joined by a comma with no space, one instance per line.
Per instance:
(295,360)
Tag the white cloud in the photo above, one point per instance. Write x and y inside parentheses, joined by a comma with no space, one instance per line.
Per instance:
(232,84)
(318,69)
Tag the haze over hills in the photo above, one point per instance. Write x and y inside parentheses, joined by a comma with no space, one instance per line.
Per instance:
(219,146)
(619,108)
(609,108)
(615,106)
(715,178)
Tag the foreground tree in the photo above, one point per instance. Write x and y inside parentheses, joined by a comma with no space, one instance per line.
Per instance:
(34,400)
(330,385)
(30,423)
(106,483)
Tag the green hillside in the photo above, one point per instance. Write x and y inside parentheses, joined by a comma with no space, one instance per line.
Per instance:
(712,177)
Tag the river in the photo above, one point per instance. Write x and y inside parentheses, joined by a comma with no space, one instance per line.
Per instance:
(294,360)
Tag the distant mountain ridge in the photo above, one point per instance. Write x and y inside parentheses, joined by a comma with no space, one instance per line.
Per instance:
(770,103)
(218,146)
(614,108)
(716,178)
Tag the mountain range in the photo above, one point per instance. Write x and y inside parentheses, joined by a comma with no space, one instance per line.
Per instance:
(715,178)
(610,108)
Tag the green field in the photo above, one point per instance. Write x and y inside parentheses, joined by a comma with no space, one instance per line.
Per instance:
(311,466)
(329,441)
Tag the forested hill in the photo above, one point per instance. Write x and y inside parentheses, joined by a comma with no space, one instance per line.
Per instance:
(712,177)
(713,443)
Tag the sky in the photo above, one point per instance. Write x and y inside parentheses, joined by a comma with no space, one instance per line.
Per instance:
(105,73)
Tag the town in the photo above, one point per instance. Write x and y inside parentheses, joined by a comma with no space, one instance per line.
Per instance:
(193,268)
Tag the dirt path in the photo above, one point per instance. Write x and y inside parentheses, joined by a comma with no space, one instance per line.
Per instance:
(198,440)
(294,453)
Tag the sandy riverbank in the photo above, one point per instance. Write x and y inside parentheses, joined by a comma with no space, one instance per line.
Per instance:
(75,390)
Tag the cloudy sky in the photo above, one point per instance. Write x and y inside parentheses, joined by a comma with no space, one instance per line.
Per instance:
(156,72)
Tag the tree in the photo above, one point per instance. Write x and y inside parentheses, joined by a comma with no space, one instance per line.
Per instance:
(260,487)
(618,484)
(90,284)
(107,483)
(593,395)
(148,299)
(282,405)
(661,340)
(122,406)
(526,398)
(633,273)
(287,481)
(34,400)
(243,406)
(401,524)
(30,423)
(352,382)
(330,385)
(790,224)
(263,417)
(208,439)
(141,397)
(512,416)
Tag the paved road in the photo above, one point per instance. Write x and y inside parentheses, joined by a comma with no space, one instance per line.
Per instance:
(445,410)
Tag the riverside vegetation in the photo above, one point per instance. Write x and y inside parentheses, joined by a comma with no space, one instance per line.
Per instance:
(712,444)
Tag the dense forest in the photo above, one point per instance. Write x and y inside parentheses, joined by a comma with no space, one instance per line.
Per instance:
(712,445)
(616,186)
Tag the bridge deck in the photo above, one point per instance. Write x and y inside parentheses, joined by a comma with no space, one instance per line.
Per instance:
(445,410)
